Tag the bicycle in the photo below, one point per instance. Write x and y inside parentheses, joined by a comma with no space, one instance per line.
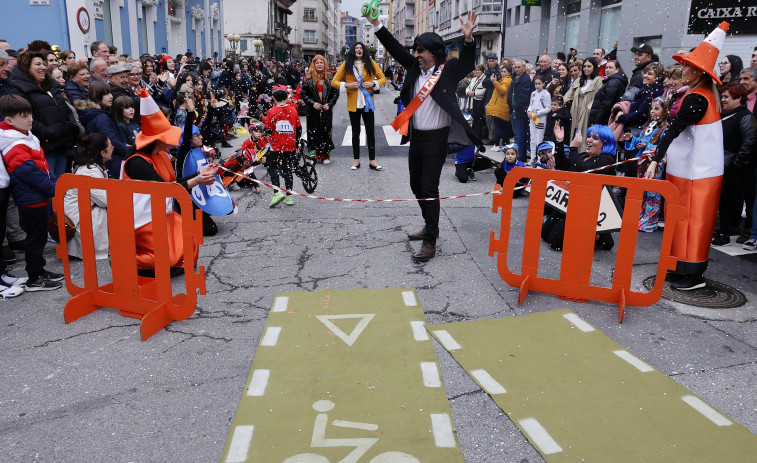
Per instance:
(305,166)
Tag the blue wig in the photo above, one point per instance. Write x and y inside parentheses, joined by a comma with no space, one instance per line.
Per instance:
(609,145)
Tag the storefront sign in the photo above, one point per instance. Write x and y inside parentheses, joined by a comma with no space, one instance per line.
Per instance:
(530,2)
(705,15)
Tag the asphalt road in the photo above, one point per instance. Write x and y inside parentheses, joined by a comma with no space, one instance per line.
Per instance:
(93,391)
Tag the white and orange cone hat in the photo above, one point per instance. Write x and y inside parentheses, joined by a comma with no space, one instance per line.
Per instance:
(705,56)
(155,126)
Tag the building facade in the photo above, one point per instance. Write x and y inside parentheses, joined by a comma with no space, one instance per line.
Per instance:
(263,27)
(349,28)
(403,22)
(312,22)
(133,26)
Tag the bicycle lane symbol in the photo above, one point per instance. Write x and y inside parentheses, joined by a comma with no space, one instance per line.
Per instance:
(361,444)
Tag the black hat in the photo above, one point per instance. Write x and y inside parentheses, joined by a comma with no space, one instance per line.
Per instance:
(643,48)
(492,56)
(12,53)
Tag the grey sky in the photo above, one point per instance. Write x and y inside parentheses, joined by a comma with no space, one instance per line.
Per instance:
(352,7)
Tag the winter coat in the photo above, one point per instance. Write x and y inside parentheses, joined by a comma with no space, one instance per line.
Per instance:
(562,115)
(98,211)
(519,94)
(75,92)
(54,123)
(606,97)
(640,106)
(100,121)
(497,106)
(738,138)
(581,105)
(319,122)
(31,182)
(348,76)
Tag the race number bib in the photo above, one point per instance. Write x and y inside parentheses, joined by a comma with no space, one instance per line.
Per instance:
(284,127)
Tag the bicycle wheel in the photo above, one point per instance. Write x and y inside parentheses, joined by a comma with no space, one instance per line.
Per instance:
(309,175)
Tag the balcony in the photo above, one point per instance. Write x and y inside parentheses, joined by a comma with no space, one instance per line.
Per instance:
(309,20)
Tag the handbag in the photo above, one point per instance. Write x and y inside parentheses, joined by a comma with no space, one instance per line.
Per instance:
(52,227)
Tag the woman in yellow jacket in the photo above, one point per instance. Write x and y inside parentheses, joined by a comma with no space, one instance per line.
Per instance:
(498,108)
(360,76)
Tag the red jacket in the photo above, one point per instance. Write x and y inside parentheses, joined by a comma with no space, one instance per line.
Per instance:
(31,182)
(283,122)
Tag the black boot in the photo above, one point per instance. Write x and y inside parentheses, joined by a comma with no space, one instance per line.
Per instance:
(689,283)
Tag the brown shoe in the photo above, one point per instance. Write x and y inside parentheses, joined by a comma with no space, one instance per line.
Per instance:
(419,235)
(426,253)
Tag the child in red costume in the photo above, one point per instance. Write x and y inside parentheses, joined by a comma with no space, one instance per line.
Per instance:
(252,153)
(284,123)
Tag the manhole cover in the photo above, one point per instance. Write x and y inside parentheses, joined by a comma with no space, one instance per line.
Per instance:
(713,296)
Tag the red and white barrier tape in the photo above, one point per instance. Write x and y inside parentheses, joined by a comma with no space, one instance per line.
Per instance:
(324,198)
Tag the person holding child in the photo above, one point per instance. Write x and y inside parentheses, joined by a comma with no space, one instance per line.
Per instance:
(32,185)
(284,123)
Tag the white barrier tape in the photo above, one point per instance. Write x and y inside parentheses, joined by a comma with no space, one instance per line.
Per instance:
(324,198)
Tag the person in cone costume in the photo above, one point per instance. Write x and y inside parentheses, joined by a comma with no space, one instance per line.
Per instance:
(150,162)
(693,144)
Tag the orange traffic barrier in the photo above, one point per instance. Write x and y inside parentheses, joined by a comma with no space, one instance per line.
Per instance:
(583,211)
(149,299)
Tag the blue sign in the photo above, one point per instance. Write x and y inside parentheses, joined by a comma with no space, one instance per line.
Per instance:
(213,199)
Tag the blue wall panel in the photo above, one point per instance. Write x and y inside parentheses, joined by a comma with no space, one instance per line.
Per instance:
(21,23)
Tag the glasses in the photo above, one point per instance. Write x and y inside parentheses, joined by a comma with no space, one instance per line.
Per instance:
(137,74)
(723,63)
(420,49)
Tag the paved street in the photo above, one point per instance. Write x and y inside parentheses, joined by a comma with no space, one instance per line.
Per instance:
(92,391)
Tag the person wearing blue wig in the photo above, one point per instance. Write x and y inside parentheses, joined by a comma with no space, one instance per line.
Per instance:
(600,151)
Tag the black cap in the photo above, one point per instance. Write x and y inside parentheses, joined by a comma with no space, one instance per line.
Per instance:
(492,56)
(643,48)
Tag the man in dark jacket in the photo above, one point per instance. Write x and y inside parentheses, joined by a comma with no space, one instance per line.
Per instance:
(119,85)
(643,55)
(430,81)
(518,98)
(544,69)
(606,97)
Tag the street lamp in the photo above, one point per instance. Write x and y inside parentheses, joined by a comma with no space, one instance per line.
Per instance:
(234,40)
(258,43)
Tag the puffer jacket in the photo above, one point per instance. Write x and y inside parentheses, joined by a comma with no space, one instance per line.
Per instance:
(31,182)
(75,92)
(640,106)
(54,123)
(97,120)
(606,97)
(497,106)
(738,138)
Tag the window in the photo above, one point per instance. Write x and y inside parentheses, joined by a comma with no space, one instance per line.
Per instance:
(445,14)
(526,14)
(309,15)
(609,25)
(572,7)
(309,37)
(243,45)
(571,31)
(487,6)
(516,16)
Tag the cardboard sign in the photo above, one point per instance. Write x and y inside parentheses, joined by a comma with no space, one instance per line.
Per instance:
(610,215)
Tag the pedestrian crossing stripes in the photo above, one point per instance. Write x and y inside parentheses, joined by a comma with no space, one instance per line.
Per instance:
(392,138)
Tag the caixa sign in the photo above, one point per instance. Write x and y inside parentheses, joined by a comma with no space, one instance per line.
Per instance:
(705,15)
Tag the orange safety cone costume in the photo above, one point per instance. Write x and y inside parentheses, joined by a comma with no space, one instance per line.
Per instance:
(156,127)
(695,164)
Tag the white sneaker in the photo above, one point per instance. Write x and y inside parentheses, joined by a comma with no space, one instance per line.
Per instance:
(8,292)
(327,161)
(750,245)
(234,187)
(8,279)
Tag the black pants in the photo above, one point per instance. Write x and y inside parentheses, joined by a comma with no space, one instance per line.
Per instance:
(461,169)
(281,164)
(5,194)
(428,151)
(738,188)
(370,136)
(34,222)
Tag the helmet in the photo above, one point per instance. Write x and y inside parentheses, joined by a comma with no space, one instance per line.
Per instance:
(257,126)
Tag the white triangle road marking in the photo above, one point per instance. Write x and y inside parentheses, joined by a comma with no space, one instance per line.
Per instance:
(349,339)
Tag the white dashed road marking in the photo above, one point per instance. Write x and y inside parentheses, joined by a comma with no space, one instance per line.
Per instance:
(441,426)
(633,360)
(697,404)
(540,436)
(580,324)
(486,381)
(447,340)
(240,444)
(258,383)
